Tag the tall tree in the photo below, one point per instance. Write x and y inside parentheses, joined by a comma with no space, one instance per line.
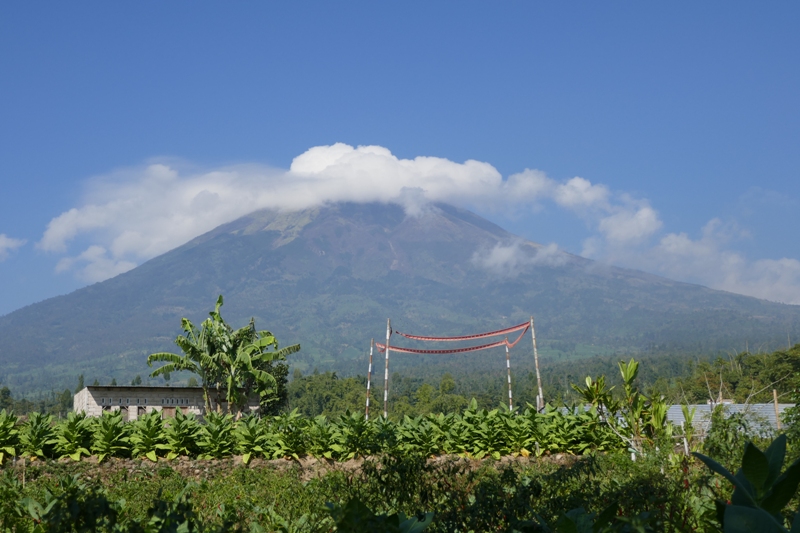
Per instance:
(232,364)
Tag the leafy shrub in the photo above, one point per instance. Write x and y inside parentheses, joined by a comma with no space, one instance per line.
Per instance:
(74,436)
(9,435)
(181,434)
(147,436)
(760,492)
(728,434)
(38,436)
(355,517)
(217,438)
(111,436)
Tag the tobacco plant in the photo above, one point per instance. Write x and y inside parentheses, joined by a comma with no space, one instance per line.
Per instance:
(147,437)
(74,436)
(250,437)
(111,436)
(357,436)
(9,435)
(217,438)
(38,436)
(181,434)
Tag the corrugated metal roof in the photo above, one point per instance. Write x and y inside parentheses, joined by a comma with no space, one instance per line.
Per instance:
(702,418)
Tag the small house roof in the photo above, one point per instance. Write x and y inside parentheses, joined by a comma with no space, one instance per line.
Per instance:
(143,388)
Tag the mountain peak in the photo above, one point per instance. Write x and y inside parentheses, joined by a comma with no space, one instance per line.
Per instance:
(328,277)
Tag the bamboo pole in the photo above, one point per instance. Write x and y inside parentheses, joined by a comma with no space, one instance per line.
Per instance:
(369,377)
(777,412)
(508,371)
(540,397)
(386,371)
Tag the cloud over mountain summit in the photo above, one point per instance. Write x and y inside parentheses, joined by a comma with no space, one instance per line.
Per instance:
(134,214)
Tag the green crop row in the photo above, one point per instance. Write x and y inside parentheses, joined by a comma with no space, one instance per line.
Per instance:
(476,433)
(609,424)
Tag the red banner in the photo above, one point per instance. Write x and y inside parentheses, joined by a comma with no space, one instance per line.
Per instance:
(504,342)
(518,327)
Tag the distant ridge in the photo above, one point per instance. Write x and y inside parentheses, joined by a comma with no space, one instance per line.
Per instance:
(328,278)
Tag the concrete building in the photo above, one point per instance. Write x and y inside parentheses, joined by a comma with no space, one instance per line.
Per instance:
(134,401)
(755,412)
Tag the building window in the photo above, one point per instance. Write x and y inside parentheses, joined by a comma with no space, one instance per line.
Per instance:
(127,401)
(137,401)
(145,401)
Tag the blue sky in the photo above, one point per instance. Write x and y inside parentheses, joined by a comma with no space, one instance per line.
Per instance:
(682,122)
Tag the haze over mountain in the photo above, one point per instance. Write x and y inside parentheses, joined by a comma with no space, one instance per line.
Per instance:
(328,277)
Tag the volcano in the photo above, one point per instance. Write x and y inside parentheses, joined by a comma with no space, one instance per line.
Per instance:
(328,277)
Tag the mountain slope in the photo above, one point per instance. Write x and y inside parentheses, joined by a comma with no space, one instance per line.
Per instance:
(329,277)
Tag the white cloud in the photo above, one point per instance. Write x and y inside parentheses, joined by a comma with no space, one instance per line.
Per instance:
(138,213)
(96,264)
(709,261)
(134,214)
(7,244)
(510,259)
(627,225)
(579,192)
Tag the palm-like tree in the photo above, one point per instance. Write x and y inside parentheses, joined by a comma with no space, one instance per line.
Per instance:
(196,358)
(234,363)
(246,365)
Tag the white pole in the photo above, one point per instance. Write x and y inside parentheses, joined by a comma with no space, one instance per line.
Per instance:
(369,377)
(540,397)
(386,371)
(508,371)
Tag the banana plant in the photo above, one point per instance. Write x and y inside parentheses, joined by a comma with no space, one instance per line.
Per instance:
(38,436)
(147,436)
(197,357)
(74,436)
(232,365)
(111,436)
(760,491)
(9,435)
(245,364)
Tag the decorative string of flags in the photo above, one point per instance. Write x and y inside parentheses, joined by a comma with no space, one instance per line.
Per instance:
(386,348)
(504,342)
(512,329)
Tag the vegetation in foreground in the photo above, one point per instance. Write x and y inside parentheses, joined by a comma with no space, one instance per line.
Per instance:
(474,469)
(661,491)
(181,462)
